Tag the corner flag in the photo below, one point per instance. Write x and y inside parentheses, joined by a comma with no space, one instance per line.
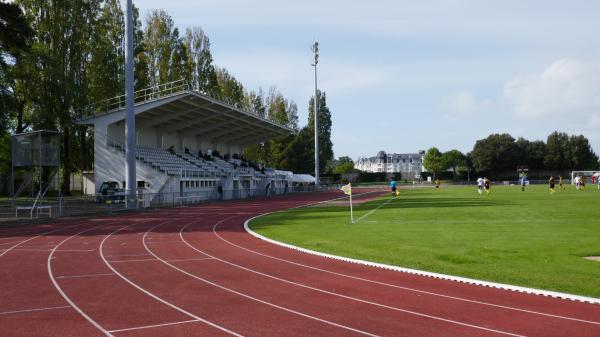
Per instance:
(347,189)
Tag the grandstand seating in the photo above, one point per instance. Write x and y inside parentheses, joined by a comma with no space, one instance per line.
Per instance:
(169,163)
(191,166)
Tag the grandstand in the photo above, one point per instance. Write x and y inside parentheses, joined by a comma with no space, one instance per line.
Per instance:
(187,142)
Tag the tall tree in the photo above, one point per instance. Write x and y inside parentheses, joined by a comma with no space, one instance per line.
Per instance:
(64,31)
(161,40)
(582,157)
(494,154)
(557,151)
(433,161)
(203,73)
(454,160)
(231,90)
(15,38)
(325,144)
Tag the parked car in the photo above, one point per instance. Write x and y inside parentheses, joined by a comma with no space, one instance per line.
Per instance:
(110,191)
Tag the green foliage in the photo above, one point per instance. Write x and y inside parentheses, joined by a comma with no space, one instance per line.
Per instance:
(561,152)
(15,31)
(325,144)
(203,75)
(344,168)
(454,160)
(433,161)
(496,153)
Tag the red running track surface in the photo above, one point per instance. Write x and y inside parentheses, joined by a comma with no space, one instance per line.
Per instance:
(194,271)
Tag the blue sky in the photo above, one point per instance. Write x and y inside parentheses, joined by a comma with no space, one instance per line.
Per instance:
(407,75)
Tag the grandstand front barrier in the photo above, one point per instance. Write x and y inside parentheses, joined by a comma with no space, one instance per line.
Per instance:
(54,207)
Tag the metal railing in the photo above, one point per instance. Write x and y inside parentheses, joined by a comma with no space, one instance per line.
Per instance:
(143,95)
(107,205)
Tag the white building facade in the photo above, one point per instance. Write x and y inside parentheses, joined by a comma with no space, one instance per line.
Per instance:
(410,165)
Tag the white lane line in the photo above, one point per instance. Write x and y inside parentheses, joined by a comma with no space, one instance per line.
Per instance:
(124,255)
(50,249)
(406,288)
(373,210)
(246,295)
(33,310)
(153,295)
(155,260)
(156,241)
(8,243)
(31,238)
(355,299)
(63,294)
(155,325)
(85,275)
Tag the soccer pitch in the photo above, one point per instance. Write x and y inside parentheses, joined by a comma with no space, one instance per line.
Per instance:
(529,238)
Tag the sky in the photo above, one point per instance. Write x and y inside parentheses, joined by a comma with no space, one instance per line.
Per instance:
(402,76)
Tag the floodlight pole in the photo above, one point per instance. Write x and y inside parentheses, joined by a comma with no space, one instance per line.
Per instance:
(315,50)
(130,176)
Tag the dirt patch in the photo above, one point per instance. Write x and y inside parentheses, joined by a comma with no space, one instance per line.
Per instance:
(593,258)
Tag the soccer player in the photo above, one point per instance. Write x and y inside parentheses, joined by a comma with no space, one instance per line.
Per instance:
(551,182)
(479,185)
(393,187)
(486,185)
(560,183)
(437,183)
(523,183)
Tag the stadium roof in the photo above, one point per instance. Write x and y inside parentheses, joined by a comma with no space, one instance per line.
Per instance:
(190,113)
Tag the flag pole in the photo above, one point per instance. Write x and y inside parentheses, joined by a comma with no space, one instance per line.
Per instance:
(351,211)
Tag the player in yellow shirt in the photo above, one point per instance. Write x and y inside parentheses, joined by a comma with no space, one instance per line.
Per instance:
(560,183)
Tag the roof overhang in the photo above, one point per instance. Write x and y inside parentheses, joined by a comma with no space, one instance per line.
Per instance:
(193,114)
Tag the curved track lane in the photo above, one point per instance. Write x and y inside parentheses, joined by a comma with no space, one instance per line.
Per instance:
(194,271)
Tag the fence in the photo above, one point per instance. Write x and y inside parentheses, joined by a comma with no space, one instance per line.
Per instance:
(11,210)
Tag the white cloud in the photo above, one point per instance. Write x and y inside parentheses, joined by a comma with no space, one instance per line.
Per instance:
(291,69)
(464,103)
(567,90)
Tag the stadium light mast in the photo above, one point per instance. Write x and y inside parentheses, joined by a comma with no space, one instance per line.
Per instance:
(315,50)
(130,174)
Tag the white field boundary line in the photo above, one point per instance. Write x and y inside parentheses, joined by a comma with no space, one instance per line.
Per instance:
(527,290)
(246,295)
(355,299)
(403,287)
(169,304)
(375,209)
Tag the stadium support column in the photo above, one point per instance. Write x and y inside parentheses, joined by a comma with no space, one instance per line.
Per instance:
(130,176)
(316,115)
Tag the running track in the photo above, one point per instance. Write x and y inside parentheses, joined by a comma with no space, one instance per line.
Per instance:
(195,272)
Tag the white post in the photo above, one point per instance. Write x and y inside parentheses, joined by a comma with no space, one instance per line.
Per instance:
(130,174)
(316,115)
(351,210)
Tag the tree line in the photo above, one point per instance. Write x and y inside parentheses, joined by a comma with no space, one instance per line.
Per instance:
(500,153)
(59,56)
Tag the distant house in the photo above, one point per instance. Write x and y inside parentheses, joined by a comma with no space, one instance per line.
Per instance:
(410,165)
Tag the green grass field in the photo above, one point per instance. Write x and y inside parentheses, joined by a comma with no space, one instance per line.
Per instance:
(529,238)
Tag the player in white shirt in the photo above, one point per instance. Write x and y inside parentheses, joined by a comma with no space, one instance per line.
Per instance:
(479,185)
